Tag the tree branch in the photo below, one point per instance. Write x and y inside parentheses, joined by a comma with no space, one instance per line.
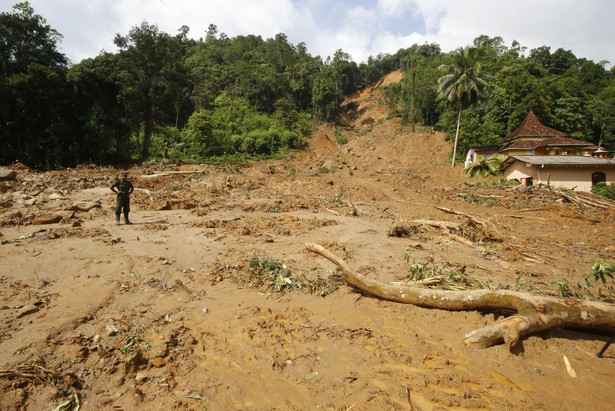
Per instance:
(534,313)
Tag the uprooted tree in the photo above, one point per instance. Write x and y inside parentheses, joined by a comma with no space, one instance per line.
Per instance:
(530,314)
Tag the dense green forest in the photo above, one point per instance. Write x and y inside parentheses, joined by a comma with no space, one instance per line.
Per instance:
(164,96)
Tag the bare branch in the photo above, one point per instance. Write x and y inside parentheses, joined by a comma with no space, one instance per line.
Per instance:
(533,313)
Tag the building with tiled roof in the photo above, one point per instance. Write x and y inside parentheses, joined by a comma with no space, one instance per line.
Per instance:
(532,128)
(532,138)
(537,154)
(571,172)
(547,146)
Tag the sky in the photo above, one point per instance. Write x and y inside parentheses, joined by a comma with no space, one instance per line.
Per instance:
(361,28)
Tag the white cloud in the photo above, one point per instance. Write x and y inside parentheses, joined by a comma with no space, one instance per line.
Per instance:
(361,28)
(583,27)
(265,17)
(395,7)
(360,15)
(389,43)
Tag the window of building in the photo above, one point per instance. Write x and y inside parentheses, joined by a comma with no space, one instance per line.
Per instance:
(598,177)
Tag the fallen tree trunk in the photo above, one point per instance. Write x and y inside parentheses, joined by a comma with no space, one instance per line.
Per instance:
(532,313)
(582,200)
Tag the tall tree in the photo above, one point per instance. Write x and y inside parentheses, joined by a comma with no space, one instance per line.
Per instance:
(149,63)
(602,113)
(324,98)
(26,38)
(344,72)
(33,95)
(101,128)
(462,84)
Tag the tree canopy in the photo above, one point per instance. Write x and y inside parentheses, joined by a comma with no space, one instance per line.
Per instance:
(166,96)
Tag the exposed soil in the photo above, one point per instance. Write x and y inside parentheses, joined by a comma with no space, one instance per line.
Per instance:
(166,314)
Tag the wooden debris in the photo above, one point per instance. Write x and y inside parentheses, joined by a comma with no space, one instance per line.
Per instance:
(449,211)
(447,225)
(471,217)
(532,313)
(577,199)
(34,373)
(571,372)
(460,239)
(171,173)
(427,281)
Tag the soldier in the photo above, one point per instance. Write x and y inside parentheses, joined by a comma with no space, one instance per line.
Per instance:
(123,188)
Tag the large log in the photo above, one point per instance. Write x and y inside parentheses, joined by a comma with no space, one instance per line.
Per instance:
(531,313)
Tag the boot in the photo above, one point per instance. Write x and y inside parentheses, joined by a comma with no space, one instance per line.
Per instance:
(126,220)
(117,219)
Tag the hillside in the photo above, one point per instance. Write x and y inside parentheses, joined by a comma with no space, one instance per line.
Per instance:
(166,314)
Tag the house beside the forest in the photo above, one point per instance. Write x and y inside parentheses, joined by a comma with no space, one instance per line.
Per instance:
(572,172)
(538,154)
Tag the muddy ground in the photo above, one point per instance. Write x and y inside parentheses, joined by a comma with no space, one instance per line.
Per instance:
(210,300)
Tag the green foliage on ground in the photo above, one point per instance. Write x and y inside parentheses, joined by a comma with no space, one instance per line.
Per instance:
(340,138)
(601,270)
(598,284)
(275,276)
(605,190)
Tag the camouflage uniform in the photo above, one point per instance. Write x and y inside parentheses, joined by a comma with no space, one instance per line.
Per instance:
(123,188)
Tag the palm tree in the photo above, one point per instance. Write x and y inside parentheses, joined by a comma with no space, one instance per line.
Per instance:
(485,167)
(463,83)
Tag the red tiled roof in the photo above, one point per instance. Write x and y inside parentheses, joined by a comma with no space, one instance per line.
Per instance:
(486,149)
(532,127)
(559,161)
(554,141)
(522,145)
(563,142)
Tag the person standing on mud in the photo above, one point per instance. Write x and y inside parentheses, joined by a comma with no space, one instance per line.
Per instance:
(123,188)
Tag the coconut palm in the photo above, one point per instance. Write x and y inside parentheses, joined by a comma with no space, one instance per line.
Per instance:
(462,84)
(485,166)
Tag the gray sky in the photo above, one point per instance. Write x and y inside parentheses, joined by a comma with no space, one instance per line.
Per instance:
(361,28)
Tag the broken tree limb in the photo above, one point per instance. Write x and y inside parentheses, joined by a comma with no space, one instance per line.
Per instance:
(171,173)
(449,211)
(471,217)
(595,199)
(447,225)
(460,239)
(426,281)
(581,200)
(534,313)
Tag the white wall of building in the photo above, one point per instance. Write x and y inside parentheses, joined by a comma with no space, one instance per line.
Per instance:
(574,178)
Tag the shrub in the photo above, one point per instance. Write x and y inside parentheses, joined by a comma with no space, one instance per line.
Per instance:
(340,137)
(604,190)
(601,270)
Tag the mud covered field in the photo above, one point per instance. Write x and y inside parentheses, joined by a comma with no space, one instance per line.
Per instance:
(211,301)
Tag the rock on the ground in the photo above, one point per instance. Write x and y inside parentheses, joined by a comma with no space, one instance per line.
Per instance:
(7,174)
(84,206)
(27,309)
(47,219)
